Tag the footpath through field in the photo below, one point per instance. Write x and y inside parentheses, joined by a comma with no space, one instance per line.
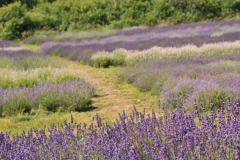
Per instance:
(111,97)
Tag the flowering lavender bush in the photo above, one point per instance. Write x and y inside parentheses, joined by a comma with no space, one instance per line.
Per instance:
(204,90)
(18,78)
(24,59)
(176,135)
(68,95)
(6,43)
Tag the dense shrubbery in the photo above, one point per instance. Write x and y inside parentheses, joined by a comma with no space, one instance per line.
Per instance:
(21,18)
(179,134)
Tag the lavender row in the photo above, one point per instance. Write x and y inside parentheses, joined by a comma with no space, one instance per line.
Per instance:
(176,135)
(162,29)
(143,33)
(16,53)
(83,53)
(67,96)
(186,30)
(180,80)
(6,43)
(24,59)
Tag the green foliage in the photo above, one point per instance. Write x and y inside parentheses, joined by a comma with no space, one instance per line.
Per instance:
(17,16)
(179,98)
(69,100)
(16,104)
(49,100)
(214,96)
(106,61)
(5,2)
(21,117)
(12,21)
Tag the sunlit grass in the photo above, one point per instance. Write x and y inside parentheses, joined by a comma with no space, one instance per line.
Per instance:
(30,46)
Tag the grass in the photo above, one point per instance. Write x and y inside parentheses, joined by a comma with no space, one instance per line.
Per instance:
(111,98)
(30,46)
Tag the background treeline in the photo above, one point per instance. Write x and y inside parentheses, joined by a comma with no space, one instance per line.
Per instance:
(22,18)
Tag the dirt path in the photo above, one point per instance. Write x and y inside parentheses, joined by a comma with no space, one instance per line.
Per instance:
(112,98)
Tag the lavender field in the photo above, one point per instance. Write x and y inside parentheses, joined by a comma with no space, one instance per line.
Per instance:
(144,38)
(30,82)
(191,70)
(177,135)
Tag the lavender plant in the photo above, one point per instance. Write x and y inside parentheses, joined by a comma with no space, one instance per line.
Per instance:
(6,43)
(18,78)
(177,135)
(68,96)
(25,59)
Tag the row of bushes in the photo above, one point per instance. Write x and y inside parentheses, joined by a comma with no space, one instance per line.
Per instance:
(21,19)
(66,96)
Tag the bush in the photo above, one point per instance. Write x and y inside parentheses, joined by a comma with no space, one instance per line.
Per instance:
(17,104)
(66,96)
(12,21)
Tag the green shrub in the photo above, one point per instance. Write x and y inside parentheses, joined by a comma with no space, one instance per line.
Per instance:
(12,21)
(17,104)
(180,97)
(49,100)
(212,95)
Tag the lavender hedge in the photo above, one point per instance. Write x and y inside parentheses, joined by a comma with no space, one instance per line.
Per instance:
(134,34)
(83,53)
(141,39)
(66,96)
(180,80)
(122,57)
(6,43)
(177,135)
(25,59)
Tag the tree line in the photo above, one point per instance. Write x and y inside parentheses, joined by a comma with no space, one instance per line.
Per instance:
(22,18)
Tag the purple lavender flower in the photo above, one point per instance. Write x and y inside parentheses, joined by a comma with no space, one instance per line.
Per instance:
(133,155)
(177,137)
